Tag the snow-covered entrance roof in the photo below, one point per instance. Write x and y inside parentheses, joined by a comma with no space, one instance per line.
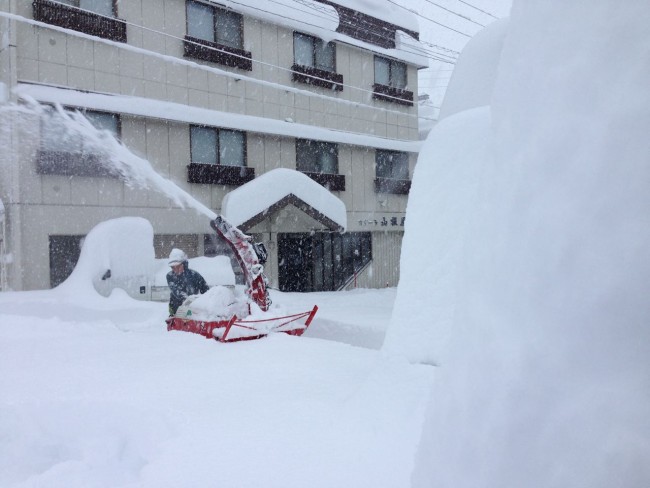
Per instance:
(253,202)
(179,112)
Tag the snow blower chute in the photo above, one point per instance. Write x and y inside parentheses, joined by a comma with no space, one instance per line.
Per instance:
(246,318)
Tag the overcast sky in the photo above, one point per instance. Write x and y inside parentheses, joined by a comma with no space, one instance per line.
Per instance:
(449,24)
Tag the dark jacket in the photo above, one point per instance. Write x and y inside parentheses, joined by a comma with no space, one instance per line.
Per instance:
(189,282)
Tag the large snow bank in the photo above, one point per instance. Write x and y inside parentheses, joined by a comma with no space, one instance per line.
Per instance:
(115,253)
(258,195)
(473,78)
(107,398)
(527,281)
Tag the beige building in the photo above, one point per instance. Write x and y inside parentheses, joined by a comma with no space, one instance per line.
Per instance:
(212,94)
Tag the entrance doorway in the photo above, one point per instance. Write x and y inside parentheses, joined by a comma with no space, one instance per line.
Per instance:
(321,261)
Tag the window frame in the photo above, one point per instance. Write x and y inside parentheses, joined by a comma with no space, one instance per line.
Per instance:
(207,172)
(324,77)
(77,4)
(214,50)
(314,56)
(332,181)
(388,183)
(391,92)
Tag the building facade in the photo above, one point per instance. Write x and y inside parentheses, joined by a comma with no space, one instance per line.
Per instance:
(212,94)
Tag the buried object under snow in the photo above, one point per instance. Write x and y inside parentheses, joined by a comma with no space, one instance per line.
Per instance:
(219,314)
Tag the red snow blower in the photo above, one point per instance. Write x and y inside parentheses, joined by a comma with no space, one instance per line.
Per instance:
(251,257)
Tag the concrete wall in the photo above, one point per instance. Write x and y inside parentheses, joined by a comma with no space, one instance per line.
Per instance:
(41,205)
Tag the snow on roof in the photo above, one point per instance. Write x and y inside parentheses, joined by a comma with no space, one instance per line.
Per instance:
(407,48)
(384,10)
(306,16)
(321,20)
(159,109)
(257,196)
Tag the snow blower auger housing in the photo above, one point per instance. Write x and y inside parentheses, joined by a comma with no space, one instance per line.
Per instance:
(241,325)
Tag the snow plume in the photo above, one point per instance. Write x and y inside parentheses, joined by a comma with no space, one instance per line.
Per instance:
(117,158)
(533,297)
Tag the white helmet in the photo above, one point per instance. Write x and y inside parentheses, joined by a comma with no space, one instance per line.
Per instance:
(177,256)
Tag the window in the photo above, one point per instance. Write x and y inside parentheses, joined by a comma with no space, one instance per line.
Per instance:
(218,156)
(391,81)
(390,73)
(313,52)
(317,156)
(320,161)
(214,25)
(101,7)
(315,62)
(217,35)
(66,152)
(392,171)
(217,146)
(392,164)
(94,17)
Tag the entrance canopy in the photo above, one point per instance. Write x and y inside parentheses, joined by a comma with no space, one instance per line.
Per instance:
(253,202)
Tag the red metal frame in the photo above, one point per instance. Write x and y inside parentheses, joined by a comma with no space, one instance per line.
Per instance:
(252,329)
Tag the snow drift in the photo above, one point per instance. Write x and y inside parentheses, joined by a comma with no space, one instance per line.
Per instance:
(538,261)
(117,253)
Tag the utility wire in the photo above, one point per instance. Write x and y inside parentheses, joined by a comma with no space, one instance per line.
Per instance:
(455,13)
(424,52)
(430,20)
(480,10)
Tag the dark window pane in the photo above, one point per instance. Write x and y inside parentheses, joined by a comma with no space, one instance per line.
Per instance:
(325,55)
(382,71)
(392,164)
(200,21)
(317,157)
(303,50)
(398,75)
(231,148)
(203,142)
(229,28)
(101,7)
(104,121)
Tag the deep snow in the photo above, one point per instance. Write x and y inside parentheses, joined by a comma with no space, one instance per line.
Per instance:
(533,213)
(97,393)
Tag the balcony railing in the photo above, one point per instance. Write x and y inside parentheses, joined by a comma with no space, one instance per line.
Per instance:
(389,185)
(391,94)
(317,77)
(330,181)
(217,53)
(79,20)
(216,174)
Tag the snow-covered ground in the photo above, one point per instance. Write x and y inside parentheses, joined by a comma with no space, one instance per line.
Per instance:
(96,393)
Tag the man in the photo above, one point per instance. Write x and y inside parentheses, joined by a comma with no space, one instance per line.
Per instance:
(182,281)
